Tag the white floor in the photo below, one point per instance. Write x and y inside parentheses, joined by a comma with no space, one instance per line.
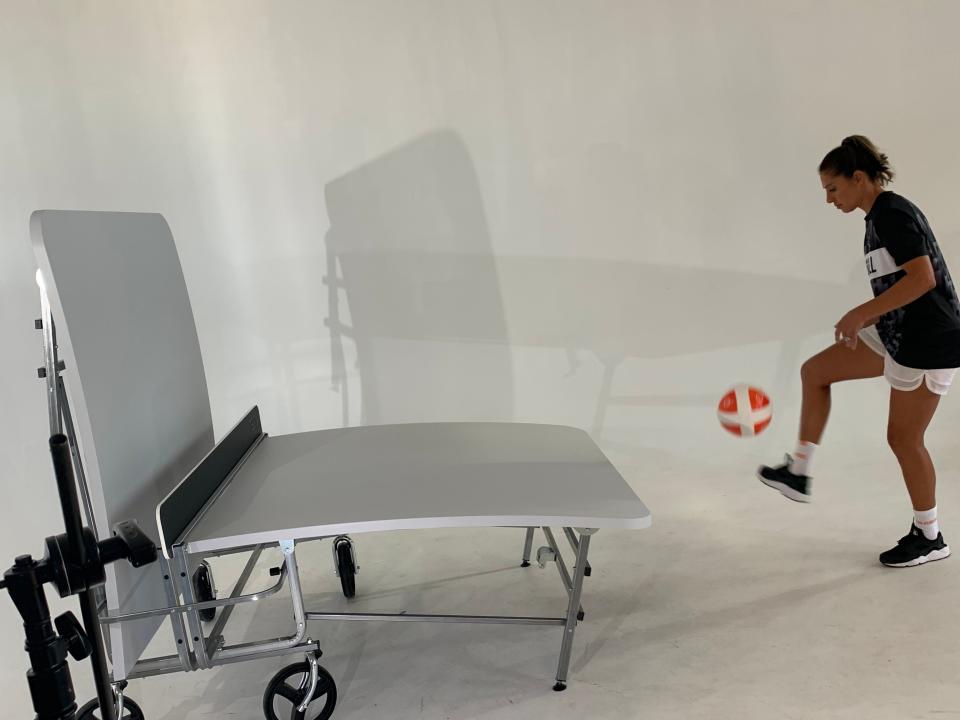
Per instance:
(736,604)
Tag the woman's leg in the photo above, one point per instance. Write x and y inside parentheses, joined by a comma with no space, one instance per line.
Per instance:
(835,364)
(910,414)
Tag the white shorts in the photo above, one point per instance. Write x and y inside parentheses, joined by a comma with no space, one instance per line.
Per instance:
(904,378)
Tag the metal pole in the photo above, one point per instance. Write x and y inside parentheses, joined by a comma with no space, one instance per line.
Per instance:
(408,617)
(88,607)
(49,370)
(71,434)
(576,546)
(562,567)
(181,566)
(572,607)
(527,547)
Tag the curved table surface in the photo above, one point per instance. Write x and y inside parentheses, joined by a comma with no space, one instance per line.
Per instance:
(419,475)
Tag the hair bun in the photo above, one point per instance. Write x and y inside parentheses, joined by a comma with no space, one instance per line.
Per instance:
(857,152)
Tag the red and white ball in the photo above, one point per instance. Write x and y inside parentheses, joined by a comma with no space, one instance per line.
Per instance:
(745,410)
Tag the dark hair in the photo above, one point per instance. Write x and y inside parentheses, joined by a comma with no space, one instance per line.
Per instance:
(858,153)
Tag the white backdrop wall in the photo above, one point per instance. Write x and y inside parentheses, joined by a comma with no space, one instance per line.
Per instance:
(593,213)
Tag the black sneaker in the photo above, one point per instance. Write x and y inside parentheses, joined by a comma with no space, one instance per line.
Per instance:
(914,549)
(795,487)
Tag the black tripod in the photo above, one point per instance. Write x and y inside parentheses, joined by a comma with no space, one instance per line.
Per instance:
(74,563)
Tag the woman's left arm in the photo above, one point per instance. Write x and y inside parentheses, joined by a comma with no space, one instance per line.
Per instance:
(919,280)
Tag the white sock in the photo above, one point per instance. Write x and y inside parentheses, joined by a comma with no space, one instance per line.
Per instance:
(803,458)
(926,520)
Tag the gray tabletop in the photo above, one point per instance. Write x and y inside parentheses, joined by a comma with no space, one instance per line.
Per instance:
(425,475)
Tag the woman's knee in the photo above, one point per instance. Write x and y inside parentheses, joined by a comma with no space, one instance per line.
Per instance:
(811,372)
(903,440)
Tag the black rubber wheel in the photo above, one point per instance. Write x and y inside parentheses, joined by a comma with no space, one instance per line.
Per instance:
(203,586)
(91,711)
(346,569)
(281,691)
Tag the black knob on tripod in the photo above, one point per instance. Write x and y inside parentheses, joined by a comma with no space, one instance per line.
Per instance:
(70,629)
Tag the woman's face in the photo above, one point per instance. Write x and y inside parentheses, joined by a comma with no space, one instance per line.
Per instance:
(845,193)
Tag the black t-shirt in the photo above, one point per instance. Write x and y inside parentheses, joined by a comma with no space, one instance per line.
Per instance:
(925,333)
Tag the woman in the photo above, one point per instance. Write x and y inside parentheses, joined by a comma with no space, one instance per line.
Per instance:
(909,333)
